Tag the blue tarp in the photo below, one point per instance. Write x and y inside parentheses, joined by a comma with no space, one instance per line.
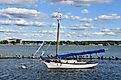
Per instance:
(61,56)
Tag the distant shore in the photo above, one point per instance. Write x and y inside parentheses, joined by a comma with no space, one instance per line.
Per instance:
(91,43)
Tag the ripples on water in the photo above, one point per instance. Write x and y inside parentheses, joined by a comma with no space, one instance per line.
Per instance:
(35,70)
(11,70)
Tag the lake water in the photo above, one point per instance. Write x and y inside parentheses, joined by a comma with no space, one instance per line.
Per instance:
(10,69)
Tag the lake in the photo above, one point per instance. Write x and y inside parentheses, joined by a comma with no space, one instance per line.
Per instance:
(10,69)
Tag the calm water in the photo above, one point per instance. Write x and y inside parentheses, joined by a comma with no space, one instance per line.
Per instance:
(11,69)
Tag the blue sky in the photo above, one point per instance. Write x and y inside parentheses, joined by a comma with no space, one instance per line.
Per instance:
(81,20)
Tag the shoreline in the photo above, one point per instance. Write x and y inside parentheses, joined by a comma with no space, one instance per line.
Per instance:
(91,43)
(53,45)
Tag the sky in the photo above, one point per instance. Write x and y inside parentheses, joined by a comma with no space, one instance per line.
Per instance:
(81,20)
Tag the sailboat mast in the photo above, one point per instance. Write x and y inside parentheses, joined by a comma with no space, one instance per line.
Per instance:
(58,32)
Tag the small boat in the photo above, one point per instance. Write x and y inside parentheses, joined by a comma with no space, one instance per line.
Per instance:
(59,61)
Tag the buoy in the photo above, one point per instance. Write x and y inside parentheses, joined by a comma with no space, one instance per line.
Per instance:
(23,67)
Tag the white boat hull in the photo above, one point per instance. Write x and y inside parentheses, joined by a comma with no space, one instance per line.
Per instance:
(54,65)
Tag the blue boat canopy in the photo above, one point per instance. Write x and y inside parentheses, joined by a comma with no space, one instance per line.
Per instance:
(61,56)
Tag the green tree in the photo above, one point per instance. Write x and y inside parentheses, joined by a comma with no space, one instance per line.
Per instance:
(4,42)
(13,42)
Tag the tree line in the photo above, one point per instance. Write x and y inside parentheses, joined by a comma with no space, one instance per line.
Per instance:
(104,43)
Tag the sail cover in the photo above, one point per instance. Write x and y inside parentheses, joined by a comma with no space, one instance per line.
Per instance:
(61,56)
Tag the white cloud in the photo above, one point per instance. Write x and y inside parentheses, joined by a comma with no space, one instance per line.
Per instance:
(8,33)
(108,17)
(67,2)
(22,28)
(54,25)
(29,23)
(82,26)
(18,13)
(78,2)
(111,33)
(18,2)
(7,30)
(22,22)
(105,33)
(84,11)
(105,30)
(86,19)
(84,35)
(98,33)
(117,31)
(69,16)
(6,22)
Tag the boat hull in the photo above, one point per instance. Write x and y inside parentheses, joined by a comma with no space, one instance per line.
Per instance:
(53,65)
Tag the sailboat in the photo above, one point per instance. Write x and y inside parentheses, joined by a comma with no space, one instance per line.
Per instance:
(59,61)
